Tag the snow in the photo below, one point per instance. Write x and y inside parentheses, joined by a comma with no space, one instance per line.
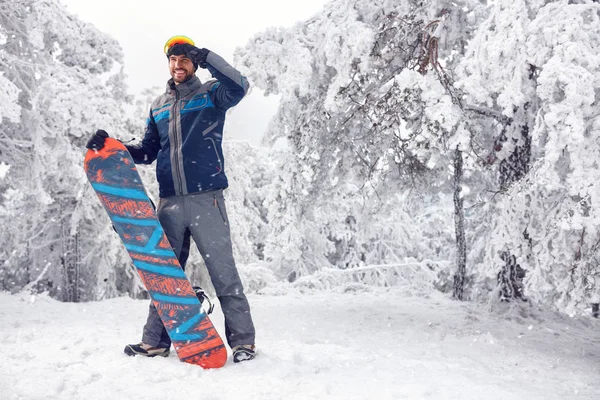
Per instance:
(3,169)
(9,94)
(377,344)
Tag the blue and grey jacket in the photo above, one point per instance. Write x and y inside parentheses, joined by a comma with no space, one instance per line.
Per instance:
(185,130)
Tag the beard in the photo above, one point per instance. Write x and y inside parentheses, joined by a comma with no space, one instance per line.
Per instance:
(180,78)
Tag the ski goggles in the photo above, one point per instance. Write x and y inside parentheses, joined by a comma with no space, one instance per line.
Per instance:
(180,39)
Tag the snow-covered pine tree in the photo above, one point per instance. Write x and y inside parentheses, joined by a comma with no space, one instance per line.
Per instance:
(536,64)
(69,85)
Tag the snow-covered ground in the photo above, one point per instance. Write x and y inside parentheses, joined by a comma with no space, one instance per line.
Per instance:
(323,345)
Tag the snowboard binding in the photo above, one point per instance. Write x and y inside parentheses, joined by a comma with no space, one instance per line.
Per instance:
(202,297)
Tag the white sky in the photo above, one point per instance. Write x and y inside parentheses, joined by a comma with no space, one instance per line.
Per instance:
(143,27)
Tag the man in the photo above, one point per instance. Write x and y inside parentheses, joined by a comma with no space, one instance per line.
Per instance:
(183,134)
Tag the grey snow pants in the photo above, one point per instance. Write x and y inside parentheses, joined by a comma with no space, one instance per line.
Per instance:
(203,217)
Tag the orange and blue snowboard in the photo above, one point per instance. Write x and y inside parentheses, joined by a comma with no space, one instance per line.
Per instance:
(114,177)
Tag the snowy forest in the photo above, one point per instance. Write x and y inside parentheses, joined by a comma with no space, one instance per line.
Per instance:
(439,145)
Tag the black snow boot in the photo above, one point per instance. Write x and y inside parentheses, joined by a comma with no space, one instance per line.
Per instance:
(244,352)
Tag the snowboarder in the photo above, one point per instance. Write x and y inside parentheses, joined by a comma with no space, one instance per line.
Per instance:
(183,134)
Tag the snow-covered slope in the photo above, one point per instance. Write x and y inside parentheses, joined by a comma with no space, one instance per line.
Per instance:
(366,345)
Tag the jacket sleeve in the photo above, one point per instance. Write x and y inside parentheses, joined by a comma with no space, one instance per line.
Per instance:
(147,151)
(231,87)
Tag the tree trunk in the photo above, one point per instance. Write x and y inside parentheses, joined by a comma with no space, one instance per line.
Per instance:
(70,264)
(459,226)
(512,169)
(517,165)
(510,279)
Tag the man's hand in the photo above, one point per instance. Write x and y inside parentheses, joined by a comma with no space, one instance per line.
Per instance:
(96,142)
(198,55)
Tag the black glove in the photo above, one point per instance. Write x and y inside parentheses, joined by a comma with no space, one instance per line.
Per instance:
(198,56)
(96,142)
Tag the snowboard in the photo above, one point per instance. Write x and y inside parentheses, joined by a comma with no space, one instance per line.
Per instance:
(113,175)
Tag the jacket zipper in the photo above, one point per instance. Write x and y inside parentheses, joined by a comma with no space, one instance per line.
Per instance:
(214,145)
(178,183)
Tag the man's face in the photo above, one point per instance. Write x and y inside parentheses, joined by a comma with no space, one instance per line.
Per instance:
(181,68)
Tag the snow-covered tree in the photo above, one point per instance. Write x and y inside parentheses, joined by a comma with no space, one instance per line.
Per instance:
(67,78)
(363,122)
(388,97)
(536,64)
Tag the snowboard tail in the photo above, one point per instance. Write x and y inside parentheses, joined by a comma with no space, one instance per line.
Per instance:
(113,175)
